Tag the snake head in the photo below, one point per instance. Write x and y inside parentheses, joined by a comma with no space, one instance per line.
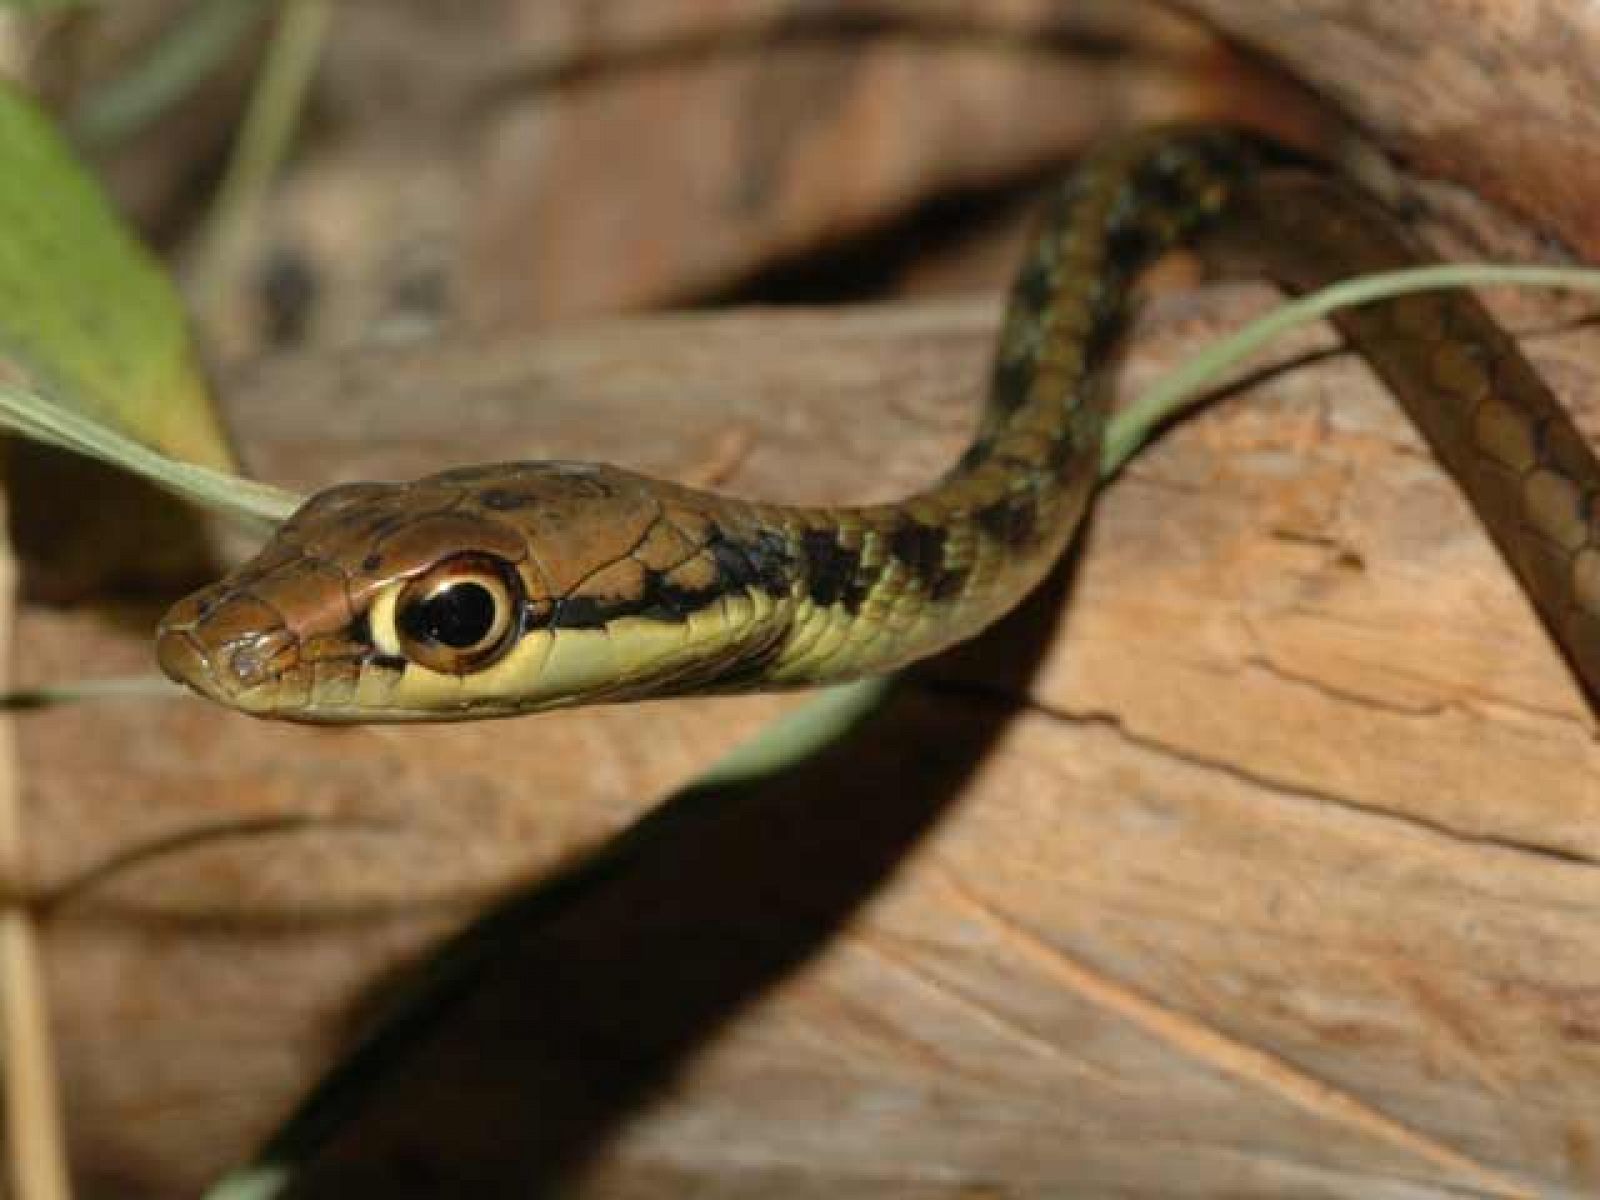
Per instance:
(484,591)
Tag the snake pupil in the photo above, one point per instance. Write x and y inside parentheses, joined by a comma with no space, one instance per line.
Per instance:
(459,616)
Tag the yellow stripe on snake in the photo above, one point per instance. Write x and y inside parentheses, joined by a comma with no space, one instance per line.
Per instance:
(495,590)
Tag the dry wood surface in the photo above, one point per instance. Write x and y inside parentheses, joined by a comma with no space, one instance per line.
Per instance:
(1498,95)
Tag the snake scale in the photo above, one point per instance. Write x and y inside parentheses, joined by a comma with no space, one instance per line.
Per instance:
(494,590)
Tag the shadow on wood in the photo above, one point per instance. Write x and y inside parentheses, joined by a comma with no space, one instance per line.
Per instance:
(589,995)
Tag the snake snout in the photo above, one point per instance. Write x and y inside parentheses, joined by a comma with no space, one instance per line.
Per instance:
(180,659)
(224,647)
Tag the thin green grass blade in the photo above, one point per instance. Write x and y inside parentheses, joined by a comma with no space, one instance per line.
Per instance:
(1185,386)
(115,687)
(264,1182)
(31,414)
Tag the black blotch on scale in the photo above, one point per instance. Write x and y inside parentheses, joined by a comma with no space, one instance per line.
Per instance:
(658,600)
(1010,520)
(1109,323)
(587,612)
(764,563)
(1064,457)
(667,601)
(921,548)
(832,570)
(1010,383)
(1035,287)
(1160,183)
(1129,244)
(948,583)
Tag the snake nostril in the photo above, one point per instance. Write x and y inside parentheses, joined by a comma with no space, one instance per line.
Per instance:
(259,657)
(222,643)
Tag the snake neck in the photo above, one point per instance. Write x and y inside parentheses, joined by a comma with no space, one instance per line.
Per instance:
(879,587)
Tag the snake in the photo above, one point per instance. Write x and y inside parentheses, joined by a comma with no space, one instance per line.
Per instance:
(506,588)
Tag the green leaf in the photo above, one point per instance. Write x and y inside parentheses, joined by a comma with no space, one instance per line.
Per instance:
(88,320)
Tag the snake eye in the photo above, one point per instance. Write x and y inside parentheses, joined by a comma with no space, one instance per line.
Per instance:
(459,616)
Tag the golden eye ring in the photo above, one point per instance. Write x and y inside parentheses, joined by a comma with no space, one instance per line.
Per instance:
(460,615)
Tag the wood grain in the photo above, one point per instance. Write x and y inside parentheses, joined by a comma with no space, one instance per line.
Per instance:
(1496,95)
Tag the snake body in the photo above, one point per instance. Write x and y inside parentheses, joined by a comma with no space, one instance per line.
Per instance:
(494,590)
